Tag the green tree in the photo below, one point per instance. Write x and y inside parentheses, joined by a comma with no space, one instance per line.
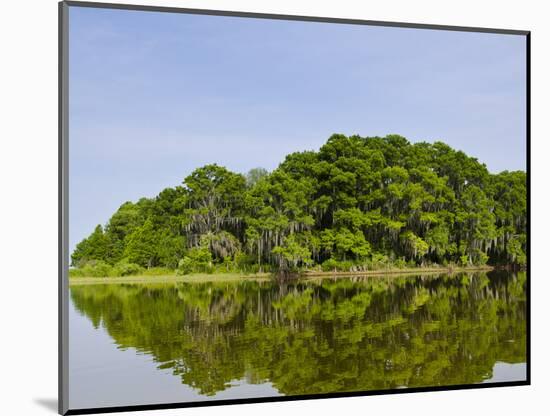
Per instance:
(141,247)
(95,247)
(255,175)
(292,253)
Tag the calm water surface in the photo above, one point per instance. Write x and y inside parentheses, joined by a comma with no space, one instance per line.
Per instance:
(178,342)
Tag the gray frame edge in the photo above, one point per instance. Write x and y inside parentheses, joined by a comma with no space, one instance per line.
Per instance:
(63,209)
(274,16)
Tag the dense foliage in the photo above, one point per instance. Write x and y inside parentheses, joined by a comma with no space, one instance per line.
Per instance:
(358,203)
(322,336)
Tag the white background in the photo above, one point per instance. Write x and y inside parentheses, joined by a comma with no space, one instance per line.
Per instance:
(28,208)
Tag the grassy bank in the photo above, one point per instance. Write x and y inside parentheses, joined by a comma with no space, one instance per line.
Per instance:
(191,278)
(232,277)
(412,270)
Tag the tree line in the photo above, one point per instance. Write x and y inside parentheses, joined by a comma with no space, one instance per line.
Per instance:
(358,203)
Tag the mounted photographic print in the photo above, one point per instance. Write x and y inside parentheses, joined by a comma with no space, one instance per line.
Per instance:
(262,207)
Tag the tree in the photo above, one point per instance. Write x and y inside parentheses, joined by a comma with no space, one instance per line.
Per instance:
(221,245)
(414,246)
(141,247)
(255,175)
(95,247)
(292,253)
(170,248)
(215,200)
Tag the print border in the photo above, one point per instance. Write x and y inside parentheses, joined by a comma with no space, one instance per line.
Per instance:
(63,204)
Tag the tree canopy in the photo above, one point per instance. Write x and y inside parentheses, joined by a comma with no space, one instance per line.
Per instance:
(358,203)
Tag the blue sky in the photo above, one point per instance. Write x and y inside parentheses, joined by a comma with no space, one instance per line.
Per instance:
(155,95)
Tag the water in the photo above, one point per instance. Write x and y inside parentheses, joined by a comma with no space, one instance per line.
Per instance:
(181,342)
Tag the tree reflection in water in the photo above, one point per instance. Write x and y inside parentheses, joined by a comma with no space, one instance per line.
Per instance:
(320,336)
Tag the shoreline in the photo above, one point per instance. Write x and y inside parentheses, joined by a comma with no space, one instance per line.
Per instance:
(389,271)
(190,278)
(235,277)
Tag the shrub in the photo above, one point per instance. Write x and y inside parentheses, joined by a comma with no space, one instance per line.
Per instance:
(330,265)
(198,260)
(185,266)
(93,268)
(480,258)
(74,272)
(400,263)
(247,263)
(379,260)
(125,268)
(157,271)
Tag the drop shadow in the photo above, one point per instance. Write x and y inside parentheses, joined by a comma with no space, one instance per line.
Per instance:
(49,404)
